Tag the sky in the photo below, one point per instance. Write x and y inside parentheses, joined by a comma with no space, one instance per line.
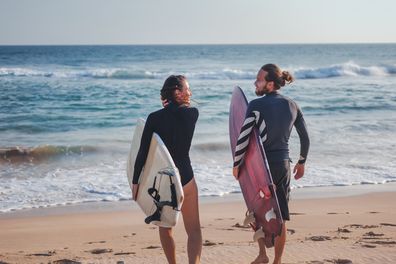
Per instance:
(68,22)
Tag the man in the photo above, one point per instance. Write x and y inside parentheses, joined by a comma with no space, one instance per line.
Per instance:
(274,115)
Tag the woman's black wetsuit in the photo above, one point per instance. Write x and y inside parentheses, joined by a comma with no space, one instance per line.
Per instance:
(175,125)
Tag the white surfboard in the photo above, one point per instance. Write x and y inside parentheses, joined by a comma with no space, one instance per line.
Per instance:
(160,194)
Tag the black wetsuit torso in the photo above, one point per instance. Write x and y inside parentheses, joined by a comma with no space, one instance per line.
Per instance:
(274,115)
(175,125)
(280,114)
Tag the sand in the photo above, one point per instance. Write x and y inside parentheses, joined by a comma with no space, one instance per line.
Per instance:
(347,229)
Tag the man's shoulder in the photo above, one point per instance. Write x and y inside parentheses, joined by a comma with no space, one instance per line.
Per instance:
(286,98)
(257,101)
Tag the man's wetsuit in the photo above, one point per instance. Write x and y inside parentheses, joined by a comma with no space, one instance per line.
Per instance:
(275,115)
(175,125)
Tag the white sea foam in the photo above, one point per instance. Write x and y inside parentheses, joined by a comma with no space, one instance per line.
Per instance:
(346,69)
(107,181)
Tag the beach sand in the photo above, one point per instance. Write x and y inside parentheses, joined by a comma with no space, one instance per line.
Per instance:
(348,229)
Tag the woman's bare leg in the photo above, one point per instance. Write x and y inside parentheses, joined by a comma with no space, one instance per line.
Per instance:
(192,224)
(168,244)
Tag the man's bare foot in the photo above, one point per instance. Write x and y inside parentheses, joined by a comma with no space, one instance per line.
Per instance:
(261,259)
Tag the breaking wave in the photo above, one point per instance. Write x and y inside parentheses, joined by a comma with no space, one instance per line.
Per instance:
(40,153)
(337,70)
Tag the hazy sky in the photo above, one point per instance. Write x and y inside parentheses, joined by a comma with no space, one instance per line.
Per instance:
(196,22)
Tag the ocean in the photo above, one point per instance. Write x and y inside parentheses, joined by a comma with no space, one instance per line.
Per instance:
(68,114)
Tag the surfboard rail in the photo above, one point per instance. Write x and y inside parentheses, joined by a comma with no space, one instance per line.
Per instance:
(160,194)
(255,177)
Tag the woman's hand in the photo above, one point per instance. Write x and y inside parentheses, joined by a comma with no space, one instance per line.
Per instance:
(165,102)
(135,190)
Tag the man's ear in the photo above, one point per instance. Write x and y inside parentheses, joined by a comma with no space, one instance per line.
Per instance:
(271,85)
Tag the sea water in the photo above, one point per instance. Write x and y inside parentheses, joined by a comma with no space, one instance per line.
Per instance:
(75,107)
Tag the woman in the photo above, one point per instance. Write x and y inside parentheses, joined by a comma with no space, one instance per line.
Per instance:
(175,124)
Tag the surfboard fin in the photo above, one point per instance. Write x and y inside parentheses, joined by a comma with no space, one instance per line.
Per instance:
(156,216)
(249,218)
(258,234)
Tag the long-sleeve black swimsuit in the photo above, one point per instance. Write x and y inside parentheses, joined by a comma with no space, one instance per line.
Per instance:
(175,125)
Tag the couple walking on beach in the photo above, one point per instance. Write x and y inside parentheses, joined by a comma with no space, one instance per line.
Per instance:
(175,124)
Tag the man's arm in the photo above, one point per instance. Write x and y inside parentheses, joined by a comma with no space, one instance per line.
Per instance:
(302,132)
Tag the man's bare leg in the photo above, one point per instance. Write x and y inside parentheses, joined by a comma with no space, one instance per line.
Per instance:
(280,242)
(262,256)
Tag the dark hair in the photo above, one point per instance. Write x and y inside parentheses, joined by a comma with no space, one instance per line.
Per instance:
(276,75)
(172,83)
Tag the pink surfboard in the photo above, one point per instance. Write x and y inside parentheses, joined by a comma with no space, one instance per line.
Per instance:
(254,174)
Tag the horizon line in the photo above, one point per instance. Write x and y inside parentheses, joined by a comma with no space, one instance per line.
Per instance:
(202,44)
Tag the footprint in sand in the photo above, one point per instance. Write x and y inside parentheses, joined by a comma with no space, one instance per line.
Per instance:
(343,230)
(124,253)
(372,234)
(101,250)
(386,224)
(133,234)
(362,226)
(152,247)
(381,242)
(96,242)
(238,225)
(318,238)
(368,246)
(340,261)
(291,231)
(65,261)
(46,254)
(218,219)
(209,243)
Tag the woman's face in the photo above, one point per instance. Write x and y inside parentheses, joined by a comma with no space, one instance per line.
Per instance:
(182,97)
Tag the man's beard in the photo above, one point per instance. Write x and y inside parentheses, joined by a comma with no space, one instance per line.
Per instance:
(262,91)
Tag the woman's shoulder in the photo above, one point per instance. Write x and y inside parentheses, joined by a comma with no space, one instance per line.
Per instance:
(190,110)
(158,114)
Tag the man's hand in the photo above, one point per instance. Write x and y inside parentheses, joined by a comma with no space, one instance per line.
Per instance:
(135,189)
(298,171)
(235,172)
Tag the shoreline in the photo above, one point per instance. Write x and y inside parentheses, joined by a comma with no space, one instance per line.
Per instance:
(305,193)
(346,229)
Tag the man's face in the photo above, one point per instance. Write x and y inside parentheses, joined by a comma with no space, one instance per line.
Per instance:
(262,86)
